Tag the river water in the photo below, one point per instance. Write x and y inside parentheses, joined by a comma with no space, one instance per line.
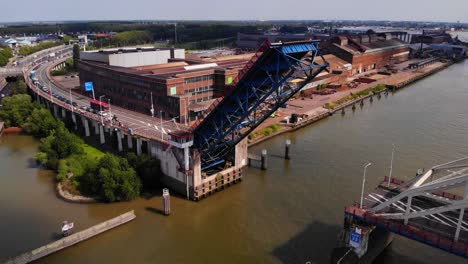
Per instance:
(291,213)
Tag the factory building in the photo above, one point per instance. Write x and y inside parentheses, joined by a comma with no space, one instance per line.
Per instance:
(254,40)
(432,37)
(368,52)
(179,86)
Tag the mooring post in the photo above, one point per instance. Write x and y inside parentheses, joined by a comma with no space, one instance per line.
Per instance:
(371,98)
(342,111)
(264,159)
(354,106)
(362,102)
(286,149)
(166,202)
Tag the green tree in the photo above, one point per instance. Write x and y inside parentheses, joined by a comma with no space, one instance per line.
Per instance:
(41,123)
(5,54)
(132,37)
(19,87)
(147,168)
(66,39)
(16,109)
(66,143)
(47,156)
(59,144)
(76,56)
(113,180)
(27,50)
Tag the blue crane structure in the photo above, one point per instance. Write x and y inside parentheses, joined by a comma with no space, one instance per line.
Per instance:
(261,87)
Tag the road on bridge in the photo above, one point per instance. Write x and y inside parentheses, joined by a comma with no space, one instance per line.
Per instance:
(140,123)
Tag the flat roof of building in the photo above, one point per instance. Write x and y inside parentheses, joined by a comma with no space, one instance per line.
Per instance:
(372,46)
(171,69)
(126,50)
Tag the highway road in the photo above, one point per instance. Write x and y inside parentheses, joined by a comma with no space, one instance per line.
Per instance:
(140,123)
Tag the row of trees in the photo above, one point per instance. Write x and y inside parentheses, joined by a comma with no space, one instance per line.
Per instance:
(5,54)
(28,50)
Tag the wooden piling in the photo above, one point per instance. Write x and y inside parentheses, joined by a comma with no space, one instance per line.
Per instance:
(264,160)
(286,149)
(166,201)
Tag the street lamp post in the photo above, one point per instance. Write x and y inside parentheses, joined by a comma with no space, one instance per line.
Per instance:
(363,183)
(110,112)
(100,108)
(391,167)
(152,106)
(162,133)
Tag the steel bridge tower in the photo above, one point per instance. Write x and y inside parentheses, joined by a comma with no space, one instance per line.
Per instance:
(258,91)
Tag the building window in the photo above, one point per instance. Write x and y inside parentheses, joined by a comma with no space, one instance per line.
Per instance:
(198,79)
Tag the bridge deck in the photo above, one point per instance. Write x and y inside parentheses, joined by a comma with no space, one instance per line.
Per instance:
(436,230)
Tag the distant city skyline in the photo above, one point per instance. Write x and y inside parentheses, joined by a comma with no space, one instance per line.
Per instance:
(396,10)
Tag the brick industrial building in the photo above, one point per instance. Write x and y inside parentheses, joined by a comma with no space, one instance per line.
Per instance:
(180,86)
(368,52)
(183,85)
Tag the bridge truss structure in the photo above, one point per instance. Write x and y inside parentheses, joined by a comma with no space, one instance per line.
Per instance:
(260,89)
(424,198)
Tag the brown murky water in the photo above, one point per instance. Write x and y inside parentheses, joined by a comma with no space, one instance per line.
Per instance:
(291,213)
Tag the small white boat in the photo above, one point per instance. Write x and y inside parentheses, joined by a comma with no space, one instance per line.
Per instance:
(66,228)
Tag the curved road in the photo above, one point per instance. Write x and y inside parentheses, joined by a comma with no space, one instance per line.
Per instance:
(141,124)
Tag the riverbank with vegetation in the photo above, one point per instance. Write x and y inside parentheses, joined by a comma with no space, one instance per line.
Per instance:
(82,170)
(355,96)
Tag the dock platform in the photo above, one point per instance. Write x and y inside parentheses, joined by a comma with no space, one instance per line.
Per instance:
(72,239)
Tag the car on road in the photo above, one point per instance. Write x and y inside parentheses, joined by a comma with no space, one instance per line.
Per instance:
(83,108)
(74,104)
(102,113)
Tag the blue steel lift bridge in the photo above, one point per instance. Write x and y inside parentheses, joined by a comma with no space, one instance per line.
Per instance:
(260,89)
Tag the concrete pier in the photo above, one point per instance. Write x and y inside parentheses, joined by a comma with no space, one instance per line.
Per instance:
(55,110)
(74,121)
(96,127)
(102,138)
(129,141)
(138,146)
(85,122)
(73,239)
(119,140)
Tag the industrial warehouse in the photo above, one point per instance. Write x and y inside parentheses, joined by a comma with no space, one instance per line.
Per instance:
(182,85)
(176,84)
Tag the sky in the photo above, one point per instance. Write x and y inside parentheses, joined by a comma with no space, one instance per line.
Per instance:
(396,10)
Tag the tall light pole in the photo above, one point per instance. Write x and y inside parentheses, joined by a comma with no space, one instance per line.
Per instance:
(71,99)
(152,106)
(162,133)
(100,107)
(363,183)
(391,167)
(110,112)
